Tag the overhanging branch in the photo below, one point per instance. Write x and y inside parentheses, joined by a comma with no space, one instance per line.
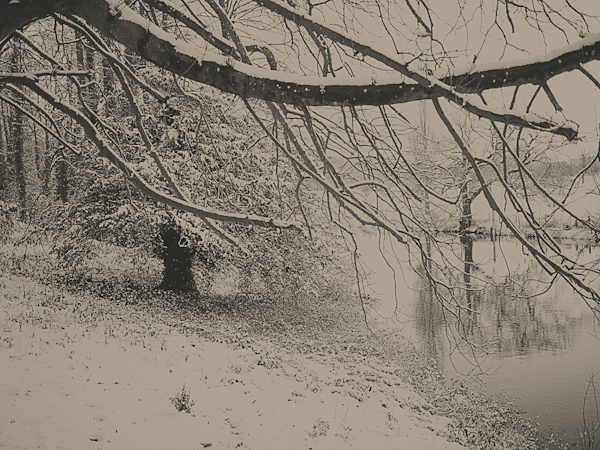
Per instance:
(133,176)
(152,43)
(225,73)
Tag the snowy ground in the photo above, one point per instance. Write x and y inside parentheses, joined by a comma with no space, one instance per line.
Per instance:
(76,375)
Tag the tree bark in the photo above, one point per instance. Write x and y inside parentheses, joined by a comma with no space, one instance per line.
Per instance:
(177,259)
(471,294)
(466,214)
(47,164)
(62,180)
(108,83)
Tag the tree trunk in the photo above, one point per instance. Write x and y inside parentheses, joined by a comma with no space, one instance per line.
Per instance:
(46,164)
(466,214)
(177,272)
(471,295)
(62,180)
(86,61)
(18,142)
(39,153)
(79,51)
(3,162)
(19,146)
(9,157)
(108,83)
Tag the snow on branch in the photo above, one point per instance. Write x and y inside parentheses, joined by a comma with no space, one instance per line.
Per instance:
(116,20)
(132,175)
(535,70)
(225,73)
(437,87)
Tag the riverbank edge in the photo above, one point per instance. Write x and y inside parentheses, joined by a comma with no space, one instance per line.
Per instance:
(328,331)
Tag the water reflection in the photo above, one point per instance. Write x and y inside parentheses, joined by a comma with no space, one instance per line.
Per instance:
(429,320)
(499,311)
(539,339)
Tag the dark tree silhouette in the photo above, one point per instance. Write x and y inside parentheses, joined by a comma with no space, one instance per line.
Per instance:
(177,259)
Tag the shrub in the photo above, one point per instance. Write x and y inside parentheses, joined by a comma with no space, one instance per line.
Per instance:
(183,401)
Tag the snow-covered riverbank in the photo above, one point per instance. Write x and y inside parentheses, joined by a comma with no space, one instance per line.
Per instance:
(80,374)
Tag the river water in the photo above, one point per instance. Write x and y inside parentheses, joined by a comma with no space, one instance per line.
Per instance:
(541,348)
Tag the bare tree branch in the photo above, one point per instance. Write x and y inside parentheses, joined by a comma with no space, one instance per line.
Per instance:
(53,133)
(133,176)
(118,21)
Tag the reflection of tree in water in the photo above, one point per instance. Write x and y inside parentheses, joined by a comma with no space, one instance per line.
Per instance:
(498,314)
(526,324)
(429,320)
